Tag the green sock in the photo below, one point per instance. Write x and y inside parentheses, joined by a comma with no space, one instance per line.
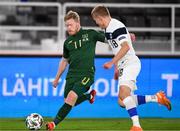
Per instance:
(62,113)
(82,99)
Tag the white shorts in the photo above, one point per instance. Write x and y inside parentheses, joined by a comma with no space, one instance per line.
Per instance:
(128,73)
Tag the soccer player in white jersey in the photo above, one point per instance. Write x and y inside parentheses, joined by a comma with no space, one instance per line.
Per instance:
(128,65)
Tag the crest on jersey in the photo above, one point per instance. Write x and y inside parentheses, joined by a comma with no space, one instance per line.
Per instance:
(85,37)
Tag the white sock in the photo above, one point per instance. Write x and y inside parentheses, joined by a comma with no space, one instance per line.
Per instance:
(151,98)
(131,108)
(135,99)
(135,120)
(144,99)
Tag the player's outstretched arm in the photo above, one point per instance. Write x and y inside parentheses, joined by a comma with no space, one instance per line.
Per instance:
(122,52)
(62,66)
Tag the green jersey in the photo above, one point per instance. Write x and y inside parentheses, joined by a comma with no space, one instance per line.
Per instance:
(79,50)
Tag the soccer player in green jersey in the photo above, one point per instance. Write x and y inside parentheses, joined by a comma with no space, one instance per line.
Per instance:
(79,53)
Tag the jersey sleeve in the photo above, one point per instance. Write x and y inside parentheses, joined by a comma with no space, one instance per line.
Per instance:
(99,36)
(121,35)
(65,51)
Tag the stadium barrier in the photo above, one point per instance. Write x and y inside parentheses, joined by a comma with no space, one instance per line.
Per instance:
(143,47)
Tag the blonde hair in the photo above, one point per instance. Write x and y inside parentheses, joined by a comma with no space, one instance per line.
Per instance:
(100,10)
(72,15)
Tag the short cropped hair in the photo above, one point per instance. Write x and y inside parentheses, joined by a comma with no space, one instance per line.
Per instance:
(72,15)
(100,10)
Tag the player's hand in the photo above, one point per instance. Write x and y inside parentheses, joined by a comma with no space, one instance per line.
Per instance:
(133,37)
(108,65)
(55,83)
(116,74)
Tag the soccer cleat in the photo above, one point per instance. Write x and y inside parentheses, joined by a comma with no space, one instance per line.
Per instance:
(93,94)
(163,100)
(50,126)
(136,128)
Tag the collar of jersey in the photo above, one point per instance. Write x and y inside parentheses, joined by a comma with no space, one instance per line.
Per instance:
(109,24)
(79,32)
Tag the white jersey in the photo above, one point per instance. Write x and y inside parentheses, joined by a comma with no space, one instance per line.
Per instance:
(129,65)
(116,33)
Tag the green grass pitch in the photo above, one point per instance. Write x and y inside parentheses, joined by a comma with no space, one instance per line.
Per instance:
(121,124)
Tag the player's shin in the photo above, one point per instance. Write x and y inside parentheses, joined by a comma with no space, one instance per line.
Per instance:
(66,108)
(62,113)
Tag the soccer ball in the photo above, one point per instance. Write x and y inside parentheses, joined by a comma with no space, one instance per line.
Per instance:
(34,121)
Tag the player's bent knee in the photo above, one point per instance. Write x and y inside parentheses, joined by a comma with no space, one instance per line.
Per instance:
(124,92)
(121,96)
(120,102)
(71,98)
